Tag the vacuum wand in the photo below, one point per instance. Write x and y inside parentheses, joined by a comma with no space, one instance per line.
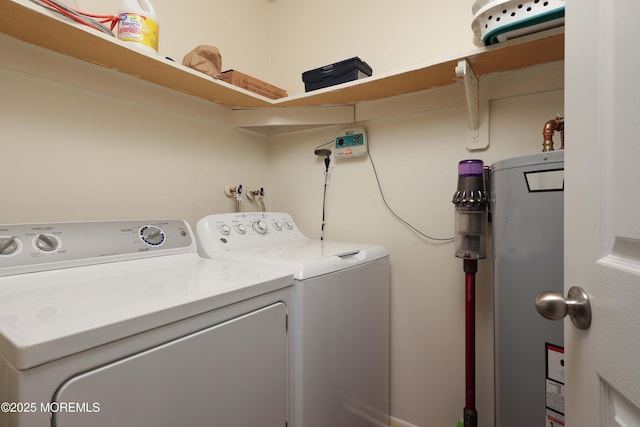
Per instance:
(470,201)
(470,413)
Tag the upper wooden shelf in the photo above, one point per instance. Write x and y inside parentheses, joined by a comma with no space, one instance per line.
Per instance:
(41,28)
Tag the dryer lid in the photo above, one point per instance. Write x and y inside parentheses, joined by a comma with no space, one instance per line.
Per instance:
(53,314)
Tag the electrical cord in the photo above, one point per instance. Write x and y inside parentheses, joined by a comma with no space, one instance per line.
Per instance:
(394,214)
(324,198)
(327,162)
(322,145)
(384,200)
(81,17)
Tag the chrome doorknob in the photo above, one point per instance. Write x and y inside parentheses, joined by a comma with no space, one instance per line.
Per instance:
(553,306)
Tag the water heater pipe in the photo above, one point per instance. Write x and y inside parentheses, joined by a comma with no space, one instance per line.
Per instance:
(550,127)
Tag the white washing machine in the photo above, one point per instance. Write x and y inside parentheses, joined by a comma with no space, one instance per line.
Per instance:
(123,324)
(340,316)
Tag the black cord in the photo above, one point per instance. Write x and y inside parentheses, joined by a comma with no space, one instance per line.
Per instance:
(327,162)
(384,199)
(395,215)
(324,197)
(326,143)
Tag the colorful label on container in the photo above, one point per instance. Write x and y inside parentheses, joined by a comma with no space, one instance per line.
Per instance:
(138,28)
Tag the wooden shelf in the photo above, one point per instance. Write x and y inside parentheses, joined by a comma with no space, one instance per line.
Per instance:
(40,27)
(540,49)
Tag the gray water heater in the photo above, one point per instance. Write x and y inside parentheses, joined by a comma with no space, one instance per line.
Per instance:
(527,214)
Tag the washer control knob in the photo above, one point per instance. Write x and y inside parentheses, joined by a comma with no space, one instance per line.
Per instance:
(288,225)
(277,225)
(8,245)
(241,229)
(47,243)
(224,229)
(260,227)
(152,235)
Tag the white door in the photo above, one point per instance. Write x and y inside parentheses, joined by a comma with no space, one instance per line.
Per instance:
(602,210)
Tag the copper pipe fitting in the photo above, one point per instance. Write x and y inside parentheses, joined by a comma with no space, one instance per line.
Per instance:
(550,127)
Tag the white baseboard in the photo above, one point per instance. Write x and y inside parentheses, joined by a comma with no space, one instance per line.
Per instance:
(396,422)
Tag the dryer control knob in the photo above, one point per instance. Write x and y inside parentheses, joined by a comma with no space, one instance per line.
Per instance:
(8,245)
(241,229)
(277,225)
(47,243)
(289,225)
(260,227)
(152,235)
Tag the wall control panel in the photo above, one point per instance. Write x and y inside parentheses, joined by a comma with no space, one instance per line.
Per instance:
(350,143)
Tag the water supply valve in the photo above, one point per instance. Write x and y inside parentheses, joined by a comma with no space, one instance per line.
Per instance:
(471,202)
(236,193)
(259,196)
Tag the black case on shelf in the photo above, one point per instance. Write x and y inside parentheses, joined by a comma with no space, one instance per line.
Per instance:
(340,72)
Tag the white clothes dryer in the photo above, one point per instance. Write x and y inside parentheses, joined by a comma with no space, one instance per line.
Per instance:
(340,314)
(122,323)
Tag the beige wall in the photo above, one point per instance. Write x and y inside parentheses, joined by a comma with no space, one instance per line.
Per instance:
(72,153)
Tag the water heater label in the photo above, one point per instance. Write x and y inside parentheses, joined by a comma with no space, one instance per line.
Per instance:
(546,180)
(555,386)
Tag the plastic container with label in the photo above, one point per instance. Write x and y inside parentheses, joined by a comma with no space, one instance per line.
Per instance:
(138,25)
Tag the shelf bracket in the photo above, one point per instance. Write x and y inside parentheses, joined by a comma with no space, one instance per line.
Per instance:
(477,111)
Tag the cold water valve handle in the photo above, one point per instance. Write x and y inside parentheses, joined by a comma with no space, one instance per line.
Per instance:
(238,194)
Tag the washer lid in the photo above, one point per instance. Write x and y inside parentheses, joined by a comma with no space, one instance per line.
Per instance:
(308,258)
(52,314)
(273,239)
